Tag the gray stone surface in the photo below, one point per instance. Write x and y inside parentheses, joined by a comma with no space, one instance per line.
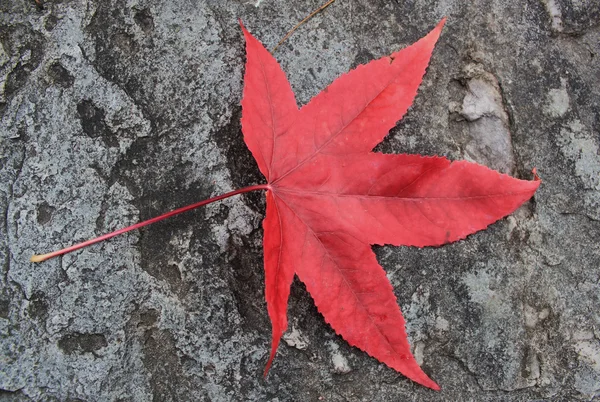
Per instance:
(118,110)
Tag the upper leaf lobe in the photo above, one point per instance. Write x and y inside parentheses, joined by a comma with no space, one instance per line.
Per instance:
(357,110)
(268,103)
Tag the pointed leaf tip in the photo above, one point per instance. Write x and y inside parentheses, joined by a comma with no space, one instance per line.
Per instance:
(271,357)
(435,33)
(247,35)
(440,25)
(242,25)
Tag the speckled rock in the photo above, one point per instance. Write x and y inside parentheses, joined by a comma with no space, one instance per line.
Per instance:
(118,110)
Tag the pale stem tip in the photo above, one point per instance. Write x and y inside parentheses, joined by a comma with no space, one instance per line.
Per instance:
(39,258)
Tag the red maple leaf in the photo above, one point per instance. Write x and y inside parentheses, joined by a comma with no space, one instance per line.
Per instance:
(329,198)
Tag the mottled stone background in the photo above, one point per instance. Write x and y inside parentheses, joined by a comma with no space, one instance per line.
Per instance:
(118,110)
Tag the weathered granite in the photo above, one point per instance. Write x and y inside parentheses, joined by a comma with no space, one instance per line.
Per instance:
(117,110)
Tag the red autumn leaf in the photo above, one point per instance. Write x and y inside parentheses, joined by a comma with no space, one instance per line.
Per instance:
(329,198)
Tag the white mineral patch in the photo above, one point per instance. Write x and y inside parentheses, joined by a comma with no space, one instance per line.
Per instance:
(531,316)
(555,14)
(296,339)
(479,286)
(590,351)
(533,366)
(441,324)
(340,363)
(418,352)
(587,380)
(582,335)
(483,107)
(483,99)
(483,290)
(558,100)
(581,147)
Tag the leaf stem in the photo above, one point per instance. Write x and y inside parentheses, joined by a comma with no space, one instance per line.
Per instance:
(44,257)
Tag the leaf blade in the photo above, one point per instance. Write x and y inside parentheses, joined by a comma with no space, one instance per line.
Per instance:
(403,199)
(342,119)
(352,292)
(268,103)
(279,271)
(328,188)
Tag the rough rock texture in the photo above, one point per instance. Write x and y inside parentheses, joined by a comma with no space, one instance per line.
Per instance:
(118,110)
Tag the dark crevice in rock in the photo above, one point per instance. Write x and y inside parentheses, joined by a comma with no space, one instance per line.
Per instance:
(93,123)
(362,57)
(247,285)
(51,22)
(144,20)
(26,47)
(100,220)
(241,165)
(18,164)
(116,49)
(44,213)
(144,109)
(38,306)
(13,395)
(135,170)
(78,343)
(16,78)
(60,75)
(161,358)
(4,307)
(148,318)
